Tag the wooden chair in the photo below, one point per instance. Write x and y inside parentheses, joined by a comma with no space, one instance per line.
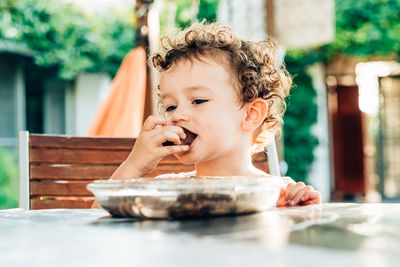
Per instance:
(54,169)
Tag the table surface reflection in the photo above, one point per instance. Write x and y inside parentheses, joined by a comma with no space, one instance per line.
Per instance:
(334,234)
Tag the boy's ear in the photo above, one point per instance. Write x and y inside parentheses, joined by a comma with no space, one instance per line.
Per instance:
(255,113)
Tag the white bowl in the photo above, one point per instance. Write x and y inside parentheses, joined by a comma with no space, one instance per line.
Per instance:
(195,197)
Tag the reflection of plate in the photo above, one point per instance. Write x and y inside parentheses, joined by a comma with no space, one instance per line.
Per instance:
(169,198)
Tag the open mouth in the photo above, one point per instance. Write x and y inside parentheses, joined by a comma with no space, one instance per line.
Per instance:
(189,137)
(187,141)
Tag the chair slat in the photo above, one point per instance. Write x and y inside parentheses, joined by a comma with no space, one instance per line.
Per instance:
(48,141)
(83,156)
(62,203)
(59,188)
(94,172)
(72,172)
(72,156)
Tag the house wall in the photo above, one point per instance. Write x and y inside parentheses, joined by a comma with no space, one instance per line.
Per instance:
(12,100)
(67,107)
(54,106)
(83,100)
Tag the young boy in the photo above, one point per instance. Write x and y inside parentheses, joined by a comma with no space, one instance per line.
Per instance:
(220,96)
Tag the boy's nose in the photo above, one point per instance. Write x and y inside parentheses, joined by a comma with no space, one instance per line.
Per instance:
(179,116)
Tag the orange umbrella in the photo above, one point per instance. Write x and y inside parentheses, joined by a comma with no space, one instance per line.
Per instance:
(121,115)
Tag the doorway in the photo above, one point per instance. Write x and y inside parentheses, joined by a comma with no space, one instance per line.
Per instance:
(348,143)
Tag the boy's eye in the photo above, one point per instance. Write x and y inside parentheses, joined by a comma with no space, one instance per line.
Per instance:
(170,108)
(199,101)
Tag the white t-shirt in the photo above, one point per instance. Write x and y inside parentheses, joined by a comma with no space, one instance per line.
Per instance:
(177,175)
(285,179)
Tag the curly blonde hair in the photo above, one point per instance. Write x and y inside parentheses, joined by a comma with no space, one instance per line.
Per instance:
(257,70)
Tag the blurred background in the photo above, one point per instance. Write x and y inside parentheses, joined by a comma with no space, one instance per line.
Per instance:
(65,65)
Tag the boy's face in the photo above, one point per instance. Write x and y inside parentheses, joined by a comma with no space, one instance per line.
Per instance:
(199,95)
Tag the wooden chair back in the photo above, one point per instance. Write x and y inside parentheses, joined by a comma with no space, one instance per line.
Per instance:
(54,170)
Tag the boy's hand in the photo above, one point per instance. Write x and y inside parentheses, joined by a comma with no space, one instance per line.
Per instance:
(148,149)
(298,194)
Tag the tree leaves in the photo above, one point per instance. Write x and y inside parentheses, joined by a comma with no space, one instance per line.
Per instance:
(8,180)
(300,116)
(63,36)
(367,28)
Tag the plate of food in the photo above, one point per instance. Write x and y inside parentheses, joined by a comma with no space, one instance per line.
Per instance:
(182,198)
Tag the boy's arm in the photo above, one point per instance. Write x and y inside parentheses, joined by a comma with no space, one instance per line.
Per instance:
(127,170)
(148,149)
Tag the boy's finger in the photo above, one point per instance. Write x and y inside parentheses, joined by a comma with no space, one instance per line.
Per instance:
(281,200)
(298,197)
(292,190)
(152,121)
(167,136)
(172,128)
(311,197)
(168,150)
(289,186)
(302,195)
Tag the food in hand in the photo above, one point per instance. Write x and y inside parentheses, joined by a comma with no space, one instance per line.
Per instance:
(187,141)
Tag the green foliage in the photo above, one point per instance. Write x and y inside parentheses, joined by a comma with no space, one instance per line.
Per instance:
(61,35)
(184,13)
(207,10)
(366,28)
(298,59)
(8,180)
(301,114)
